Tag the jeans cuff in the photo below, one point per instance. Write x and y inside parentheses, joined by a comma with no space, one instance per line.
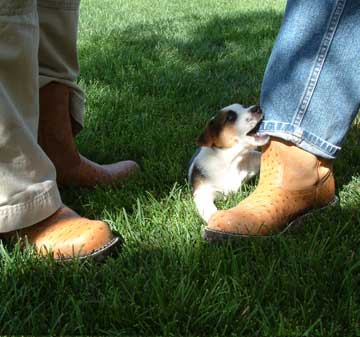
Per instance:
(303,139)
(69,5)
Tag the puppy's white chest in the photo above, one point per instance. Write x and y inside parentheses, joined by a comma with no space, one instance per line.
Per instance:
(229,177)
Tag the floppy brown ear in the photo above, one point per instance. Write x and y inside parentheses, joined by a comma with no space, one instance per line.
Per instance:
(205,139)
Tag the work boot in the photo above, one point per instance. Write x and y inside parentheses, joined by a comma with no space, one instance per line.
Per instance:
(292,183)
(65,235)
(56,137)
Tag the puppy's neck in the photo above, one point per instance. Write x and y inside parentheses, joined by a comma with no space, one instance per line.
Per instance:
(228,153)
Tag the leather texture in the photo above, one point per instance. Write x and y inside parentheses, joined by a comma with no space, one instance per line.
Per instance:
(292,182)
(66,235)
(56,137)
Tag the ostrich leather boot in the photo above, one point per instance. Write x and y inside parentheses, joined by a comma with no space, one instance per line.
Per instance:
(56,137)
(292,183)
(65,236)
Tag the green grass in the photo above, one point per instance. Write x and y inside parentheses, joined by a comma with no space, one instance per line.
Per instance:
(154,72)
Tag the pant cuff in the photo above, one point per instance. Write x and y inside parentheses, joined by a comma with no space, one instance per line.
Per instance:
(303,139)
(22,215)
(70,5)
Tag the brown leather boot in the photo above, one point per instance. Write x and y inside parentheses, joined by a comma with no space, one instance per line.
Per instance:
(65,235)
(56,137)
(292,183)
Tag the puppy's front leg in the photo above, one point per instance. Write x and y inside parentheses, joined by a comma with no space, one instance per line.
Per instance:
(253,163)
(204,197)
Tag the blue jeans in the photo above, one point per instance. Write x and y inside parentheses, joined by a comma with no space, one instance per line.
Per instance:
(311,88)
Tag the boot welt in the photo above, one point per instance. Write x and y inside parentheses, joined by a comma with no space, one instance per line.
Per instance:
(213,235)
(99,254)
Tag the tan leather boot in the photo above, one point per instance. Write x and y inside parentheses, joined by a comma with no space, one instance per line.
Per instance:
(292,183)
(56,137)
(65,235)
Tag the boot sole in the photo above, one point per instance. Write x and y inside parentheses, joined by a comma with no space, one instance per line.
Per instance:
(213,235)
(112,248)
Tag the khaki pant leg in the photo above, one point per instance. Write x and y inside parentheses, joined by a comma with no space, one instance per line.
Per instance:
(58,60)
(28,191)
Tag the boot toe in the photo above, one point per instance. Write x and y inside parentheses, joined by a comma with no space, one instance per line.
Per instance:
(122,170)
(91,174)
(74,238)
(66,235)
(220,221)
(239,222)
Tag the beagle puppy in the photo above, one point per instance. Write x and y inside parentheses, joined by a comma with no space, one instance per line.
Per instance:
(226,157)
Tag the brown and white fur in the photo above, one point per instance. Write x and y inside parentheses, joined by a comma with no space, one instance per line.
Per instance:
(227,155)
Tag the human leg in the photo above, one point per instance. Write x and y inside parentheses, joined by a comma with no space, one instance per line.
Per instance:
(310,96)
(311,88)
(30,203)
(62,100)
(28,192)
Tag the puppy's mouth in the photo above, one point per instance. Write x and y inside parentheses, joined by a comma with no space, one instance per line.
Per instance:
(255,131)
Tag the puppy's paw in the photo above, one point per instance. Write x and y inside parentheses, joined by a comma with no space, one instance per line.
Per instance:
(207,212)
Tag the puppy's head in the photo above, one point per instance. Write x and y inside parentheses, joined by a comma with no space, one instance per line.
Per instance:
(233,125)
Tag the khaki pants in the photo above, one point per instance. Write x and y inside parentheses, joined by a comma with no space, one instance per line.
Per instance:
(37,46)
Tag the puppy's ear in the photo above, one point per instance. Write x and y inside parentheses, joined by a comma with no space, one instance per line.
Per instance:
(206,138)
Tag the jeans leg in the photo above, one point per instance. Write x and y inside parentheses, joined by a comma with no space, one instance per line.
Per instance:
(28,190)
(311,88)
(58,59)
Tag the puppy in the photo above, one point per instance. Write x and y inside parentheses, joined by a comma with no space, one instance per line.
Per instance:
(226,157)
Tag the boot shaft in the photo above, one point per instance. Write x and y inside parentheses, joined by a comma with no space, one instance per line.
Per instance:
(285,165)
(55,134)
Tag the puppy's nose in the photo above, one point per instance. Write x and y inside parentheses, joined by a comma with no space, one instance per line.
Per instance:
(256,109)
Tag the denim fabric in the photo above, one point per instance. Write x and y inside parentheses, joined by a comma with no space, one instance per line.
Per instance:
(311,88)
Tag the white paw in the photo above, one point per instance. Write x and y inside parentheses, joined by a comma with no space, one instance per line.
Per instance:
(206,214)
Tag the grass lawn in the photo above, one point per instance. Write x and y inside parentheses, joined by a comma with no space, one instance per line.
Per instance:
(154,72)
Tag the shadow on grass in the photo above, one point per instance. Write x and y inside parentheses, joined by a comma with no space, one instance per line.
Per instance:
(271,287)
(347,164)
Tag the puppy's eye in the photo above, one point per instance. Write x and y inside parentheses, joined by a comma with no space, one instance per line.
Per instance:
(231,116)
